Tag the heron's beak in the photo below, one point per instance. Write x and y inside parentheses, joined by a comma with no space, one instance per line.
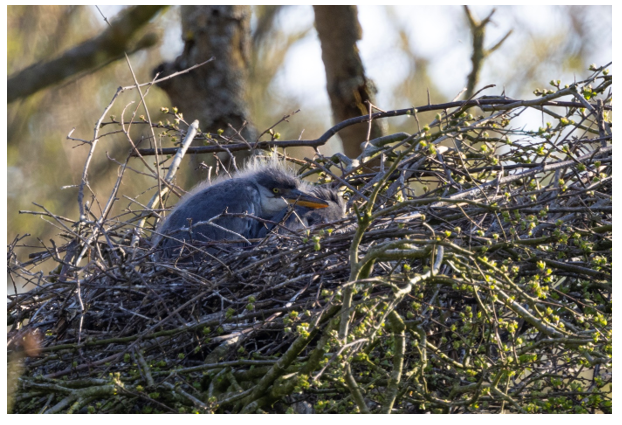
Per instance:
(300,198)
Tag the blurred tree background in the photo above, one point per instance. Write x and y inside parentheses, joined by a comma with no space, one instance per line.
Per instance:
(412,55)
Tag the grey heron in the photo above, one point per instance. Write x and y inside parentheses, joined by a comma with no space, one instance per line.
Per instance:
(306,217)
(237,208)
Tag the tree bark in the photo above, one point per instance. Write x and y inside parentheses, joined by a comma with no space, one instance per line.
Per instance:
(215,94)
(348,87)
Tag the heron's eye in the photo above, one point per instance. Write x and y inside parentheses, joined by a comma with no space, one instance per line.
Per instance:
(276,190)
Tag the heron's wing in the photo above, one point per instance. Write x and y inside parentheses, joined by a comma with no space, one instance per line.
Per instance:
(235,196)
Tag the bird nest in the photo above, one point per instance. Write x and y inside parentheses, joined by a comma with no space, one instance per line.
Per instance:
(471,274)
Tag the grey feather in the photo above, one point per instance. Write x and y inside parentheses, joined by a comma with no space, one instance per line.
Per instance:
(207,204)
(303,217)
(261,191)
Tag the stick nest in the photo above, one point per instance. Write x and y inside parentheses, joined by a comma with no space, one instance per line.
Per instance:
(472,274)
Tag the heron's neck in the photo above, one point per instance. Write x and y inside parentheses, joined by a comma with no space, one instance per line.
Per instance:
(270,205)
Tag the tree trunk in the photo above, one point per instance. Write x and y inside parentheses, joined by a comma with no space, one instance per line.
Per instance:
(215,93)
(347,85)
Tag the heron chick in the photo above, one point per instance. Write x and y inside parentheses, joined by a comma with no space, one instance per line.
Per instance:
(303,217)
(228,209)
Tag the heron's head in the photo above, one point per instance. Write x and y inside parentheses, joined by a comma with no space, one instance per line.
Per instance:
(278,187)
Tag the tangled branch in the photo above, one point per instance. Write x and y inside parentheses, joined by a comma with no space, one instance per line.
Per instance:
(471,274)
